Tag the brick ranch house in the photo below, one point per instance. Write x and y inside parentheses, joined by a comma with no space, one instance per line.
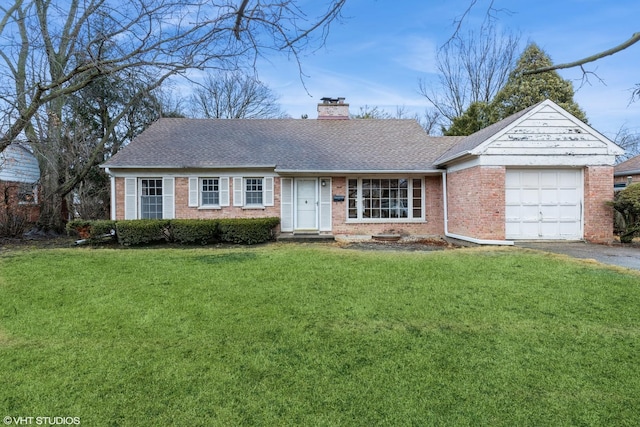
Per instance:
(538,174)
(627,172)
(19,177)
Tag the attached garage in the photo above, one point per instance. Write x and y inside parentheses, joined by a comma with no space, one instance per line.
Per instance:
(538,174)
(543,204)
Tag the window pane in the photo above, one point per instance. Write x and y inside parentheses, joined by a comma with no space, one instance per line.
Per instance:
(27,193)
(151,199)
(352,198)
(417,198)
(385,198)
(210,191)
(253,193)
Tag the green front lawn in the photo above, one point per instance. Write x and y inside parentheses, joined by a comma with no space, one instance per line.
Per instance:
(317,335)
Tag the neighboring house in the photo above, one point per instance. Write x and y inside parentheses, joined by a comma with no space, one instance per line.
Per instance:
(539,174)
(627,172)
(19,176)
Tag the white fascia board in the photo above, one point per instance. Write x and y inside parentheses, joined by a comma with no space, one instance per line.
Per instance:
(146,172)
(542,160)
(358,172)
(178,167)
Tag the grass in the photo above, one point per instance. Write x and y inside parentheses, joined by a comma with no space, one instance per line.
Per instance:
(318,336)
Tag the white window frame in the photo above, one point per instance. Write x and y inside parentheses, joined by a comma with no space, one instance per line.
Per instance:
(201,183)
(141,195)
(359,201)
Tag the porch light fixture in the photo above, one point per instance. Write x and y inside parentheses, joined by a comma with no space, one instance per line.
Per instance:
(323,183)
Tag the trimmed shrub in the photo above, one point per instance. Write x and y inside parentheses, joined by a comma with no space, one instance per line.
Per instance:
(201,231)
(141,231)
(79,227)
(627,204)
(248,231)
(100,228)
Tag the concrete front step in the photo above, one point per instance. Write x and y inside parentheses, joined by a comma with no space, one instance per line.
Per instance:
(305,237)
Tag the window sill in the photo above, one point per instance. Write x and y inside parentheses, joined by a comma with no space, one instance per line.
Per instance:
(256,207)
(209,207)
(384,221)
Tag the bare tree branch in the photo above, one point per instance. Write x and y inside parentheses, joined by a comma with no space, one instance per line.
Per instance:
(634,39)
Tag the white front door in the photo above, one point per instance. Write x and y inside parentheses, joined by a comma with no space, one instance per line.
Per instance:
(543,204)
(306,204)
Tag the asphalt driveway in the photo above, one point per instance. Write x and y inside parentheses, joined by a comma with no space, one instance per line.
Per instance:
(623,256)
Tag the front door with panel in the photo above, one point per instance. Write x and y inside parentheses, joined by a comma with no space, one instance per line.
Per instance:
(306,218)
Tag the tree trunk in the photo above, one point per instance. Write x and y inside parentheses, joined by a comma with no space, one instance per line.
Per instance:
(52,204)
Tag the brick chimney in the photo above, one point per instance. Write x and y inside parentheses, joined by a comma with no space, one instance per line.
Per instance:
(333,109)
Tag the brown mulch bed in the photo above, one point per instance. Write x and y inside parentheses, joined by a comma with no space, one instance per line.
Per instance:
(413,245)
(62,241)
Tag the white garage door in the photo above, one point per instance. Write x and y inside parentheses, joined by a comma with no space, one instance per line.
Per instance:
(543,204)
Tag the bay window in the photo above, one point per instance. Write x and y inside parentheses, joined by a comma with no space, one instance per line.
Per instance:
(385,199)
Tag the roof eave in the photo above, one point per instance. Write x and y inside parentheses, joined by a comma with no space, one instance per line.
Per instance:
(357,171)
(629,172)
(107,166)
(456,157)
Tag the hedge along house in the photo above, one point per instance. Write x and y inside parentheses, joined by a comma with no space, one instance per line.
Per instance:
(539,174)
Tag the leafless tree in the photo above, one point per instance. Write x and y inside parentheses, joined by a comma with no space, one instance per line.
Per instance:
(50,50)
(471,68)
(235,95)
(630,141)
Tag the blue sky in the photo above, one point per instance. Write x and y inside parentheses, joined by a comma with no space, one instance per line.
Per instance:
(382,48)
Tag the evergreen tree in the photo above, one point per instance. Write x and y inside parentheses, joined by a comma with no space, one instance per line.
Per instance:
(522,91)
(519,92)
(478,116)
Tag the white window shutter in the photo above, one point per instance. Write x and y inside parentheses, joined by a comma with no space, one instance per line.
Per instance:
(268,191)
(193,192)
(224,191)
(168,205)
(130,198)
(237,191)
(325,204)
(286,204)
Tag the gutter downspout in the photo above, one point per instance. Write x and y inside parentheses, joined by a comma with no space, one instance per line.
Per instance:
(113,193)
(458,236)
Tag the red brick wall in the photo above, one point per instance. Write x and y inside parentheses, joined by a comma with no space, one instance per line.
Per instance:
(598,216)
(182,209)
(9,204)
(476,202)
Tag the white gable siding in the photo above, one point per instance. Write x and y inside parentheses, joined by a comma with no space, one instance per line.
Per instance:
(548,132)
(18,165)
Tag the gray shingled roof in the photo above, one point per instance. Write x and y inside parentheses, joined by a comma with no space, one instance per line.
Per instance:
(628,167)
(472,141)
(285,144)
